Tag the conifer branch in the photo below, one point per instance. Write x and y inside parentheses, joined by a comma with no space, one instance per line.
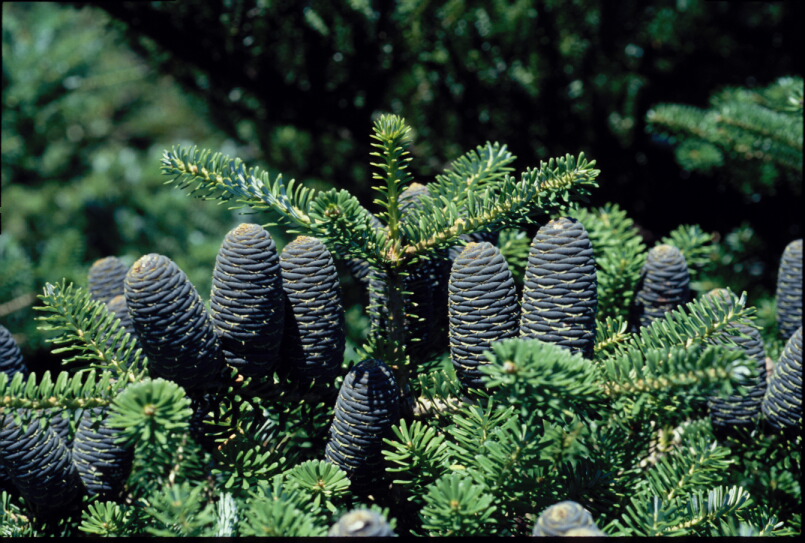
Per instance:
(506,202)
(90,331)
(220,177)
(85,389)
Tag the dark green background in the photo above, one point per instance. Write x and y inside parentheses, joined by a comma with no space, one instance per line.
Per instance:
(92,95)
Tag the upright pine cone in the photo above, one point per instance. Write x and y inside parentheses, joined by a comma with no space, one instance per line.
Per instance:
(39,464)
(314,340)
(782,404)
(11,360)
(738,410)
(664,286)
(482,308)
(172,324)
(103,465)
(361,523)
(789,289)
(566,518)
(560,297)
(106,278)
(247,304)
(368,405)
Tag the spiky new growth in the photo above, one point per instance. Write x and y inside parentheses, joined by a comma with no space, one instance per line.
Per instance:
(392,136)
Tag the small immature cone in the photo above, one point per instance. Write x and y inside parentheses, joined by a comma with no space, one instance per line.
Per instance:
(106,278)
(564,519)
(247,304)
(789,289)
(11,360)
(103,464)
(39,464)
(665,284)
(172,324)
(315,337)
(738,410)
(368,405)
(482,308)
(782,404)
(560,287)
(361,523)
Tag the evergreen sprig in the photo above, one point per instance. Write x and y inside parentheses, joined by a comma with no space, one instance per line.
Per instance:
(692,324)
(87,389)
(89,331)
(417,456)
(620,254)
(542,380)
(150,412)
(220,177)
(507,202)
(456,505)
(747,125)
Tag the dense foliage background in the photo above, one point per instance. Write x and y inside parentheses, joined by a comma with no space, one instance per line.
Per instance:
(92,95)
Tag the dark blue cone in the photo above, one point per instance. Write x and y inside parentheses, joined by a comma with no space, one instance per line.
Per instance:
(482,308)
(560,288)
(789,290)
(314,340)
(740,410)
(106,278)
(368,405)
(172,324)
(11,360)
(247,303)
(39,464)
(104,465)
(782,404)
(665,284)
